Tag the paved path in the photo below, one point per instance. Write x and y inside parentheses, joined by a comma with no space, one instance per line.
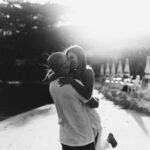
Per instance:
(131,129)
(38,129)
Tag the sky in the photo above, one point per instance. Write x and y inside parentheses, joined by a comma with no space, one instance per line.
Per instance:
(116,21)
(113,17)
(115,24)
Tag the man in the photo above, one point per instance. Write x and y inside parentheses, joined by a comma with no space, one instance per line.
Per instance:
(75,128)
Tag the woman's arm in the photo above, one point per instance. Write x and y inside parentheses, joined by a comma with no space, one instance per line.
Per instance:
(84,89)
(88,81)
(52,77)
(80,88)
(88,84)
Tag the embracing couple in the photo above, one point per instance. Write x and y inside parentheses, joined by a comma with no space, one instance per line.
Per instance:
(71,87)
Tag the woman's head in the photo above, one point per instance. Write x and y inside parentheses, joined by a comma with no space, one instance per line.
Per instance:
(77,58)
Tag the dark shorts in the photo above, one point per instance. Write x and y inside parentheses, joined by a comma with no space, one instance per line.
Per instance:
(90,146)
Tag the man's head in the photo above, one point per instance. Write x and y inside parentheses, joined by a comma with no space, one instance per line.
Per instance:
(58,63)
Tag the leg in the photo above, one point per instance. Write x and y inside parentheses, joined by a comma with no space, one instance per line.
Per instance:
(112,140)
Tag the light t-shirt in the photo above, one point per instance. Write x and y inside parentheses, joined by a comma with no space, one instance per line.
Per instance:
(93,115)
(94,118)
(75,124)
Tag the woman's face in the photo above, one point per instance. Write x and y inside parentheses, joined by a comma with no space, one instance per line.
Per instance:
(72,57)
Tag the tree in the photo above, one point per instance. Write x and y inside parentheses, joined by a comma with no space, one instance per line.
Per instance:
(27,31)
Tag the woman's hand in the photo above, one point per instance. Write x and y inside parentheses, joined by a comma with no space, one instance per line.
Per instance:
(65,80)
(93,102)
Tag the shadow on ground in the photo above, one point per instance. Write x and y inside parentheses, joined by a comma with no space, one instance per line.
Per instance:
(139,120)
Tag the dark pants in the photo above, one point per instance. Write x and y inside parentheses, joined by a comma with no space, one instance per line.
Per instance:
(90,146)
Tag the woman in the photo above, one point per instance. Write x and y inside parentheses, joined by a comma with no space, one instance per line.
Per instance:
(81,71)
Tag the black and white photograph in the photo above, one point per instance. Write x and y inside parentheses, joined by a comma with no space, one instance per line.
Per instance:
(74,75)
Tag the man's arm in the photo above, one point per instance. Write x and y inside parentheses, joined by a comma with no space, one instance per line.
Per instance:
(80,88)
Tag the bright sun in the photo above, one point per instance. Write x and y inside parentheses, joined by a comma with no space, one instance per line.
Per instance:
(114,22)
(108,18)
(111,17)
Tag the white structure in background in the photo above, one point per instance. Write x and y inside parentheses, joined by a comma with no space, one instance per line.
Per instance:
(113,70)
(127,69)
(102,70)
(119,69)
(147,68)
(137,83)
(107,71)
(146,78)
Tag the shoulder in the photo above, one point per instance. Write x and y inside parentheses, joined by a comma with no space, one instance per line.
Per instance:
(89,71)
(53,86)
(65,87)
(88,76)
(88,67)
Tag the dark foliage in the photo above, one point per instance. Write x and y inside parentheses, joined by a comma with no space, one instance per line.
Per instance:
(27,31)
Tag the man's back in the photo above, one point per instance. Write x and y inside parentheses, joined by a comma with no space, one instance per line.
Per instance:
(75,126)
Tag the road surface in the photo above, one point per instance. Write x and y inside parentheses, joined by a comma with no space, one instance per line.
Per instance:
(38,129)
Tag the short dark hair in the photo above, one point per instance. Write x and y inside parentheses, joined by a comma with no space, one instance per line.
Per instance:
(54,61)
